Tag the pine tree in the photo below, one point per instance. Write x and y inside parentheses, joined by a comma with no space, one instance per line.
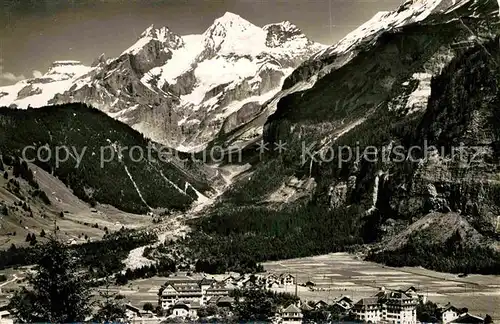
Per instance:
(33,239)
(16,169)
(42,233)
(148,307)
(255,306)
(57,293)
(110,310)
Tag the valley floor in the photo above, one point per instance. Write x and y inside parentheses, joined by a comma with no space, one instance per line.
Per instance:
(339,274)
(344,274)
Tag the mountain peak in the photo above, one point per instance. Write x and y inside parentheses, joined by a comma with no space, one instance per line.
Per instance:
(229,17)
(285,25)
(163,35)
(232,33)
(149,31)
(283,32)
(160,34)
(229,21)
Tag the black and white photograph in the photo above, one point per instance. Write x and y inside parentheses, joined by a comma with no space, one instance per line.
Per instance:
(250,161)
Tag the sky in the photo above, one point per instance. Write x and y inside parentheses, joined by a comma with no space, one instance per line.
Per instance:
(35,33)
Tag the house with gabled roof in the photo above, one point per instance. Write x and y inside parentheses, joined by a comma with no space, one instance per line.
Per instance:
(180,309)
(232,280)
(185,309)
(468,318)
(250,284)
(343,304)
(272,281)
(320,304)
(413,293)
(222,302)
(306,308)
(449,313)
(291,315)
(286,279)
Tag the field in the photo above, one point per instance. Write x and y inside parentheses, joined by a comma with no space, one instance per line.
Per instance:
(343,274)
(340,274)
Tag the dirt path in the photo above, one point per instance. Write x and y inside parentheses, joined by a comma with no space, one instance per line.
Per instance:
(14,278)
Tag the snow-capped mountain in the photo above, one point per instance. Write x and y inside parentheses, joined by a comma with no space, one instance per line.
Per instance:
(39,91)
(411,11)
(422,76)
(414,92)
(178,90)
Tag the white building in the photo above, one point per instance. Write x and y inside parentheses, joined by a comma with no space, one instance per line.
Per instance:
(182,296)
(173,293)
(5,317)
(368,310)
(180,309)
(287,279)
(449,313)
(389,307)
(399,308)
(181,288)
(272,281)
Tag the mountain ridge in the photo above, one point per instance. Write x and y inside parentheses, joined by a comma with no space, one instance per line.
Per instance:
(179,90)
(138,183)
(430,79)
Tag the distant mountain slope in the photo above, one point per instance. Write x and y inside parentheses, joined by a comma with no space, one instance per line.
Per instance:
(128,181)
(31,207)
(424,12)
(179,90)
(37,92)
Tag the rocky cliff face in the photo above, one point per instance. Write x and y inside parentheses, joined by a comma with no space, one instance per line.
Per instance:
(179,90)
(461,122)
(425,75)
(410,12)
(429,91)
